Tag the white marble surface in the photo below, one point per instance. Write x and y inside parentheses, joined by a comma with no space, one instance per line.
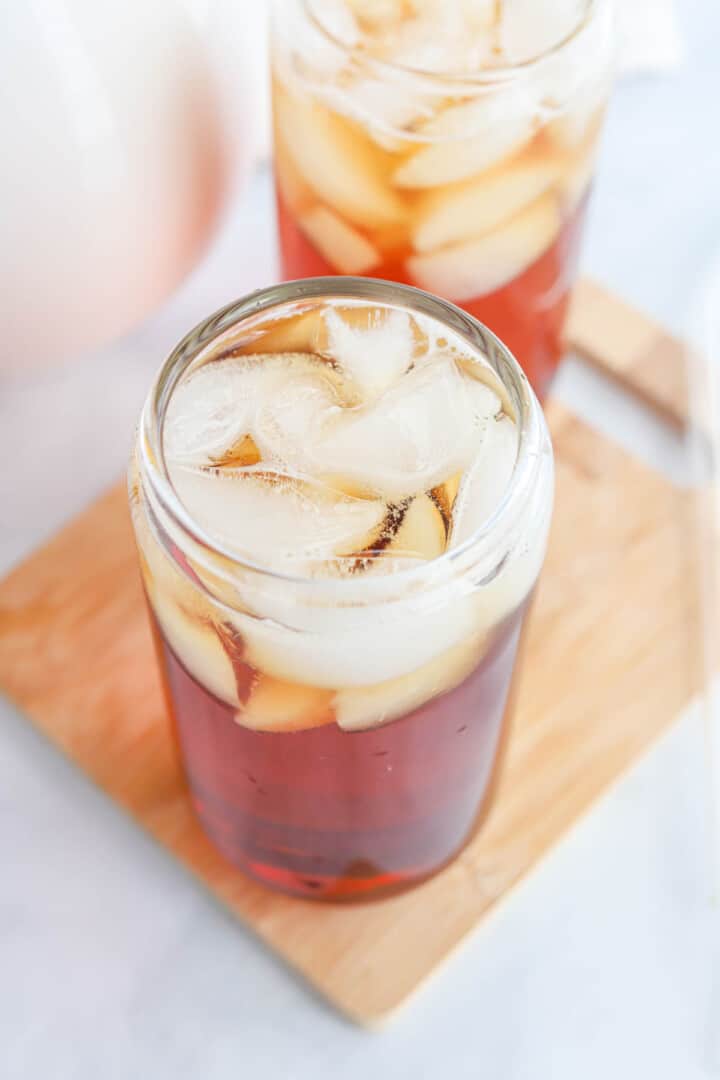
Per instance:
(114,964)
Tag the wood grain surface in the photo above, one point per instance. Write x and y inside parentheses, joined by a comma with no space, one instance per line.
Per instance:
(636,352)
(610,662)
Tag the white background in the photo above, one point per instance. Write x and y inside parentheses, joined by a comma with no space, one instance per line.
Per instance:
(114,964)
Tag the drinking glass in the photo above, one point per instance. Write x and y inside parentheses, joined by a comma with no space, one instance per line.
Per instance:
(340,733)
(446,145)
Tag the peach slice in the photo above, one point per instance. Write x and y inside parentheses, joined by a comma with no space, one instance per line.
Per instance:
(214,416)
(468,138)
(343,168)
(444,495)
(240,455)
(357,708)
(195,641)
(421,534)
(377,15)
(481,265)
(280,706)
(478,206)
(275,519)
(347,250)
(301,332)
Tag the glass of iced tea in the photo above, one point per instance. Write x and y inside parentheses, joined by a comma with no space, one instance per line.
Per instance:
(448,144)
(341,492)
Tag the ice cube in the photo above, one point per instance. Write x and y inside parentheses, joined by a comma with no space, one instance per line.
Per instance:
(218,415)
(343,168)
(508,584)
(276,520)
(289,418)
(387,117)
(574,80)
(560,87)
(464,139)
(347,250)
(374,346)
(421,52)
(278,706)
(305,335)
(363,707)
(319,47)
(529,29)
(485,483)
(210,411)
(413,437)
(440,37)
(207,414)
(474,207)
(488,395)
(332,647)
(479,266)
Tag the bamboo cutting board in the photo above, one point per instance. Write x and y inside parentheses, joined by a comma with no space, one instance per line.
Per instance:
(609,663)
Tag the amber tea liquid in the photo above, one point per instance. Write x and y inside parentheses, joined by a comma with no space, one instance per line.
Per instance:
(323,813)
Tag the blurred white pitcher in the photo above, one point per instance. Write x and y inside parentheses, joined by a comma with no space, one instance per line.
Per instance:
(115,167)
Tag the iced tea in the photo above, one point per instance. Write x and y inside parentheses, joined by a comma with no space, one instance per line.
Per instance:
(448,144)
(341,494)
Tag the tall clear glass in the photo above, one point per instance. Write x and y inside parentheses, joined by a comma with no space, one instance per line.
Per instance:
(340,734)
(450,146)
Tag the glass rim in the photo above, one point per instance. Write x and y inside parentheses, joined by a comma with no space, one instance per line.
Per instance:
(501,74)
(532,430)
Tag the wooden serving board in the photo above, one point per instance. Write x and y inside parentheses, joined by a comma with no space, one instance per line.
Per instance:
(609,663)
